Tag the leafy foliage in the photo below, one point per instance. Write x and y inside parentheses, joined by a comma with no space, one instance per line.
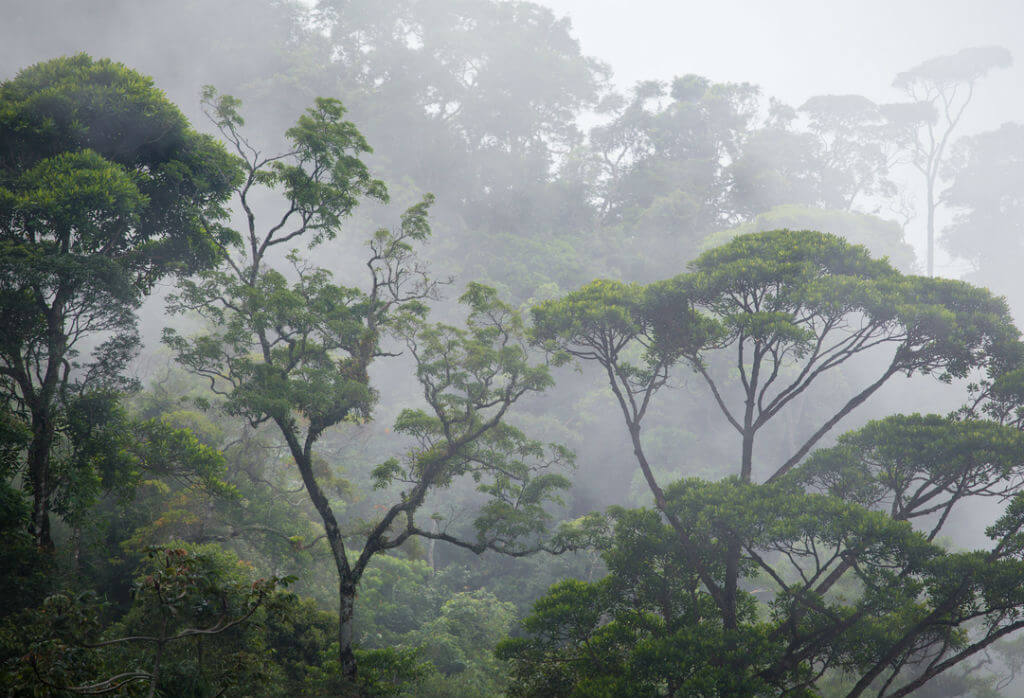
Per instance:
(850,590)
(181,597)
(104,189)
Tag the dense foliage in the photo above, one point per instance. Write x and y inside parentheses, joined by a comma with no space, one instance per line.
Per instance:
(480,377)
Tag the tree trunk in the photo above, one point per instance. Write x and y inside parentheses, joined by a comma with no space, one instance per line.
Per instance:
(39,478)
(347,581)
(732,561)
(730,621)
(347,597)
(931,228)
(430,547)
(747,456)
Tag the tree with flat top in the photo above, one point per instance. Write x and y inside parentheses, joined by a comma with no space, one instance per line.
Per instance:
(817,570)
(940,90)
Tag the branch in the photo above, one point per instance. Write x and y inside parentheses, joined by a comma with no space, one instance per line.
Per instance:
(957,658)
(851,404)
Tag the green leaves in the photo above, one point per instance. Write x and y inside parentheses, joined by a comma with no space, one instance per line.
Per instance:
(322,175)
(181,594)
(838,583)
(916,465)
(297,347)
(104,189)
(101,163)
(602,311)
(82,192)
(311,330)
(780,259)
(951,326)
(471,377)
(791,306)
(646,629)
(607,321)
(108,450)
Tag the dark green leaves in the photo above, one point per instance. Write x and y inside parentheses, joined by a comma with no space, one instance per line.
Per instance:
(104,189)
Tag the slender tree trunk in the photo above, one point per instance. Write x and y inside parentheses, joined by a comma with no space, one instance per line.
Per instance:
(430,547)
(747,456)
(39,477)
(931,228)
(732,560)
(156,666)
(732,575)
(347,582)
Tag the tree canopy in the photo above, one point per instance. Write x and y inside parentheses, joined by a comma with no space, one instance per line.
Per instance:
(380,451)
(104,189)
(828,540)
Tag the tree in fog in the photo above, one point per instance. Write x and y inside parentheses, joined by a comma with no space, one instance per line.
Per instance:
(986,192)
(859,146)
(476,102)
(940,90)
(294,351)
(851,589)
(104,190)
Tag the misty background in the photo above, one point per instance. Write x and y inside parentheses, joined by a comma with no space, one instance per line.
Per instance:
(522,200)
(518,216)
(794,49)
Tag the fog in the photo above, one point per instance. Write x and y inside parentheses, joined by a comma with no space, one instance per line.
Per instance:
(567,141)
(794,49)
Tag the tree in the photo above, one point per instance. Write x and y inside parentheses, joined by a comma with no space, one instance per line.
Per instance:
(792,307)
(295,353)
(663,156)
(645,629)
(502,82)
(183,598)
(986,174)
(882,238)
(104,189)
(837,592)
(778,166)
(941,89)
(859,147)
(476,102)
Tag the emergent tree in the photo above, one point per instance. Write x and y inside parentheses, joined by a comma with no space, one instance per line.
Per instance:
(940,90)
(295,353)
(792,308)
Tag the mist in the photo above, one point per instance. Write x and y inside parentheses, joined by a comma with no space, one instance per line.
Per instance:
(660,299)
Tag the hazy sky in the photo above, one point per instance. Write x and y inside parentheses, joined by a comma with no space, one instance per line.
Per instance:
(795,49)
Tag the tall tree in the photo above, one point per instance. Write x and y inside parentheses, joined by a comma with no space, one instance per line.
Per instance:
(986,192)
(104,190)
(295,353)
(790,307)
(859,147)
(501,80)
(659,167)
(944,87)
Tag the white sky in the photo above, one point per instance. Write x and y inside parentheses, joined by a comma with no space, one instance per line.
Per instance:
(795,49)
